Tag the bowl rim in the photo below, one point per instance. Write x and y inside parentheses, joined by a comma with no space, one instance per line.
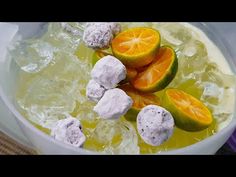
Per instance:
(232,124)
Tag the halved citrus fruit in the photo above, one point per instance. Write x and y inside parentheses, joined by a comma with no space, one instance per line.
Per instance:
(136,47)
(131,73)
(140,100)
(159,73)
(190,114)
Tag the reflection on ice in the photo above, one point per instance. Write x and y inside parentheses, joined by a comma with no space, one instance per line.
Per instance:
(115,137)
(174,34)
(34,55)
(55,91)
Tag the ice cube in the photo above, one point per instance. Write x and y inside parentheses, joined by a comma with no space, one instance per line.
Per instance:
(174,34)
(221,117)
(61,38)
(193,57)
(46,100)
(195,48)
(213,74)
(46,116)
(55,91)
(118,137)
(225,106)
(85,111)
(35,56)
(212,92)
(75,28)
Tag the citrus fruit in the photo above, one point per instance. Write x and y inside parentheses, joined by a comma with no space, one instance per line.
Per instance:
(131,73)
(140,100)
(159,73)
(136,47)
(190,114)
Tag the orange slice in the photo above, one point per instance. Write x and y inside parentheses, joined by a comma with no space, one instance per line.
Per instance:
(136,47)
(190,114)
(140,100)
(159,73)
(131,73)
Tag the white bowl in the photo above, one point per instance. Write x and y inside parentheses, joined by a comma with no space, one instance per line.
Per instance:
(43,143)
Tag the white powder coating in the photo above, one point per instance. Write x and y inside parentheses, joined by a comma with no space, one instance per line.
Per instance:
(114,103)
(108,72)
(94,91)
(99,35)
(115,27)
(155,124)
(69,131)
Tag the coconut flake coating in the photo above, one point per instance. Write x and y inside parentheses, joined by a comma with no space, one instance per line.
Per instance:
(94,91)
(69,131)
(97,36)
(155,125)
(114,103)
(114,27)
(108,72)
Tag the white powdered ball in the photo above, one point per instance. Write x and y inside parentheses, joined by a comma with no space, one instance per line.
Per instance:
(155,124)
(114,103)
(108,72)
(69,131)
(114,26)
(97,36)
(94,91)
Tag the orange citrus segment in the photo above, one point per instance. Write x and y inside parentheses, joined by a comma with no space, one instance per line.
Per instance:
(189,113)
(163,68)
(131,73)
(190,105)
(136,47)
(140,100)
